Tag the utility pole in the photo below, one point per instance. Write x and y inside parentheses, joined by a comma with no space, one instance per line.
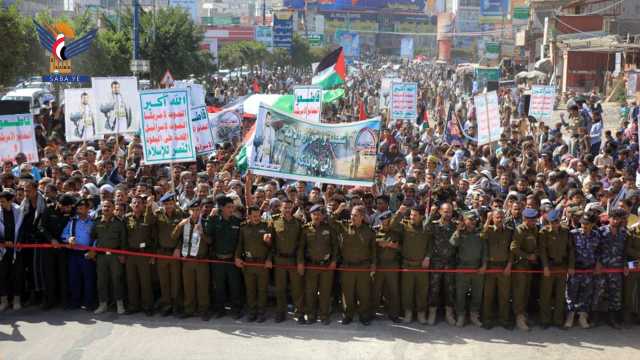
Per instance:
(136,30)
(264,12)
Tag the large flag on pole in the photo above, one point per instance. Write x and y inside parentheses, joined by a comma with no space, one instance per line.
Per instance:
(331,71)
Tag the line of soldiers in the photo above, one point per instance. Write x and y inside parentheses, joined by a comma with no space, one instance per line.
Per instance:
(306,257)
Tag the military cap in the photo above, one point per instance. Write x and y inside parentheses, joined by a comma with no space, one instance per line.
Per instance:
(315,208)
(588,218)
(84,202)
(617,213)
(168,197)
(529,213)
(385,215)
(194,204)
(7,194)
(554,215)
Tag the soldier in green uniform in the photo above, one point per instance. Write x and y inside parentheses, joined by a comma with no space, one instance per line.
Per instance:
(223,229)
(169,271)
(632,281)
(442,285)
(415,255)
(499,257)
(357,244)
(286,231)
(525,250)
(557,256)
(471,254)
(254,248)
(318,248)
(111,233)
(387,283)
(141,237)
(193,244)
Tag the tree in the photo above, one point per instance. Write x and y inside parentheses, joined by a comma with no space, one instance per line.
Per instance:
(241,53)
(23,55)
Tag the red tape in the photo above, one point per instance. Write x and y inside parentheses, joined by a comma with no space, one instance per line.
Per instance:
(293,267)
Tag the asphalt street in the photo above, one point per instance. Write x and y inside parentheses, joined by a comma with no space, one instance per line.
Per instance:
(32,334)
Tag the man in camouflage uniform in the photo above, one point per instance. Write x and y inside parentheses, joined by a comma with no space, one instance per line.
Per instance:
(386,283)
(415,255)
(254,248)
(609,285)
(557,257)
(318,248)
(471,254)
(357,245)
(499,257)
(442,258)
(169,271)
(525,249)
(632,281)
(141,237)
(286,231)
(580,286)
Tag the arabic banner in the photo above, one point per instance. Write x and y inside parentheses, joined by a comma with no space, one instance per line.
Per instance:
(166,132)
(116,107)
(404,101)
(307,103)
(264,35)
(542,101)
(201,132)
(283,29)
(493,11)
(406,48)
(17,135)
(79,118)
(226,125)
(286,147)
(385,90)
(488,115)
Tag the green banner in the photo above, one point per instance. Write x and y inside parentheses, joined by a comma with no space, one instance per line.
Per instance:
(220,21)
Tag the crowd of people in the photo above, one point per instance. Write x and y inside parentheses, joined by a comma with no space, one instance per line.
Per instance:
(539,227)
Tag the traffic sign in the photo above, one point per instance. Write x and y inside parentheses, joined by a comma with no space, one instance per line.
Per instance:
(167,79)
(139,66)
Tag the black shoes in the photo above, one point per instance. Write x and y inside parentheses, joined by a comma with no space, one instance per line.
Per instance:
(346,320)
(280,317)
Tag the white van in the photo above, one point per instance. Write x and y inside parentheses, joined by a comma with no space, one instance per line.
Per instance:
(37,97)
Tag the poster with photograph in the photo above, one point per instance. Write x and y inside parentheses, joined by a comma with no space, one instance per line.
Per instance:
(79,115)
(284,146)
(117,107)
(226,125)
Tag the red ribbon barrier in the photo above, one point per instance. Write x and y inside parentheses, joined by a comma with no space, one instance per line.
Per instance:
(293,267)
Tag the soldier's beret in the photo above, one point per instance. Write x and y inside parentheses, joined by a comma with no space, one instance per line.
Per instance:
(554,215)
(7,194)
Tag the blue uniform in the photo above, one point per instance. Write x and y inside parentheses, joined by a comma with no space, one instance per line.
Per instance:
(82,272)
(609,286)
(580,287)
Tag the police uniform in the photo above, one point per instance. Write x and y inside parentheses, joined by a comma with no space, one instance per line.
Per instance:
(556,254)
(255,251)
(318,248)
(580,286)
(387,283)
(110,234)
(169,271)
(498,258)
(357,246)
(632,281)
(284,249)
(194,244)
(525,243)
(415,249)
(224,234)
(471,254)
(141,237)
(609,285)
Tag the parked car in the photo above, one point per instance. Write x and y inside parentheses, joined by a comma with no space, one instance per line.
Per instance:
(37,97)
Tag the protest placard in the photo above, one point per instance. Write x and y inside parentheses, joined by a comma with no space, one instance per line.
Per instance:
(404,101)
(286,147)
(166,132)
(17,135)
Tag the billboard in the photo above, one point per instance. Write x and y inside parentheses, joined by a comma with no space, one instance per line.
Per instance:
(190,6)
(283,29)
(493,11)
(350,42)
(264,35)
(346,5)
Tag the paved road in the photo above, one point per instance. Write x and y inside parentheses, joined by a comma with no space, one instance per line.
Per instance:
(32,334)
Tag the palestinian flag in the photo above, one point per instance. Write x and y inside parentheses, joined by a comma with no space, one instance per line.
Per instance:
(331,71)
(241,158)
